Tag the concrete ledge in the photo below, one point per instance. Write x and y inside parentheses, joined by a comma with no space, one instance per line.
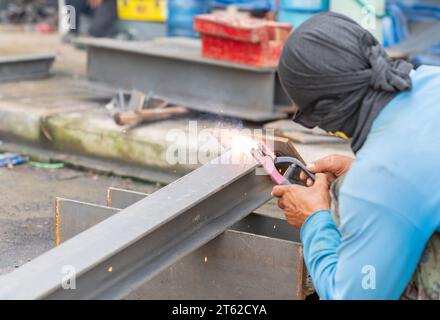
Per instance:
(20,121)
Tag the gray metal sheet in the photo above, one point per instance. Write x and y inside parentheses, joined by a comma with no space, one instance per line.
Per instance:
(235,265)
(134,245)
(25,67)
(106,166)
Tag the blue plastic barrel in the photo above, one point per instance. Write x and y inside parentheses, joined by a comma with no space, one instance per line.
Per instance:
(181,15)
(296,12)
(246,4)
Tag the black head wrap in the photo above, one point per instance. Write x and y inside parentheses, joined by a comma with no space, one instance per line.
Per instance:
(339,76)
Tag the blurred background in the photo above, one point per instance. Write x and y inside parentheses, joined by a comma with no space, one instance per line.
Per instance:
(407,26)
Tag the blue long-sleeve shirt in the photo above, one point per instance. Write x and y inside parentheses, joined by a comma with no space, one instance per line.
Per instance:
(389,203)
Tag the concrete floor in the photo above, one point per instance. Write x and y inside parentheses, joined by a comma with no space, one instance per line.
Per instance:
(27,199)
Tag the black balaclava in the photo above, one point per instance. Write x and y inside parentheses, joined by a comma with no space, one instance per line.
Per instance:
(339,76)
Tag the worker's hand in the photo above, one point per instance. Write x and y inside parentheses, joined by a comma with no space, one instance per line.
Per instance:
(300,202)
(94,3)
(333,166)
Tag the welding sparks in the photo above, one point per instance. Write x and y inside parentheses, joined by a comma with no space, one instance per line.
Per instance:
(239,141)
(243,143)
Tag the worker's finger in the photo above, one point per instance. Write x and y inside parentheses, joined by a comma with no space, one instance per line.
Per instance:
(309,182)
(278,191)
(281,204)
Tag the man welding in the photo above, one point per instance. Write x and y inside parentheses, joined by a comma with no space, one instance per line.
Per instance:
(381,239)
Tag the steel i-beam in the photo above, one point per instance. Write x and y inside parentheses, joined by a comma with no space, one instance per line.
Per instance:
(174,69)
(25,67)
(114,257)
(239,264)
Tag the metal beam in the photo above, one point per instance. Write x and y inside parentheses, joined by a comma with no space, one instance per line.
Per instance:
(175,70)
(262,221)
(235,265)
(25,67)
(134,245)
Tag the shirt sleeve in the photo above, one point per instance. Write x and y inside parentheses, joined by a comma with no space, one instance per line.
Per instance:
(371,256)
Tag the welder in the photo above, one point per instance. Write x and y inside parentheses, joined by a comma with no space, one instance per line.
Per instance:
(370,225)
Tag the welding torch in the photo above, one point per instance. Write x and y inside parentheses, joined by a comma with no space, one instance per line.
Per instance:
(270,162)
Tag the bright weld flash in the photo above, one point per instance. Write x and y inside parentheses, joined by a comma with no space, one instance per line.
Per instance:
(243,144)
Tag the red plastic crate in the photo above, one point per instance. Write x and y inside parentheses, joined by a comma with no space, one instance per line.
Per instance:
(253,42)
